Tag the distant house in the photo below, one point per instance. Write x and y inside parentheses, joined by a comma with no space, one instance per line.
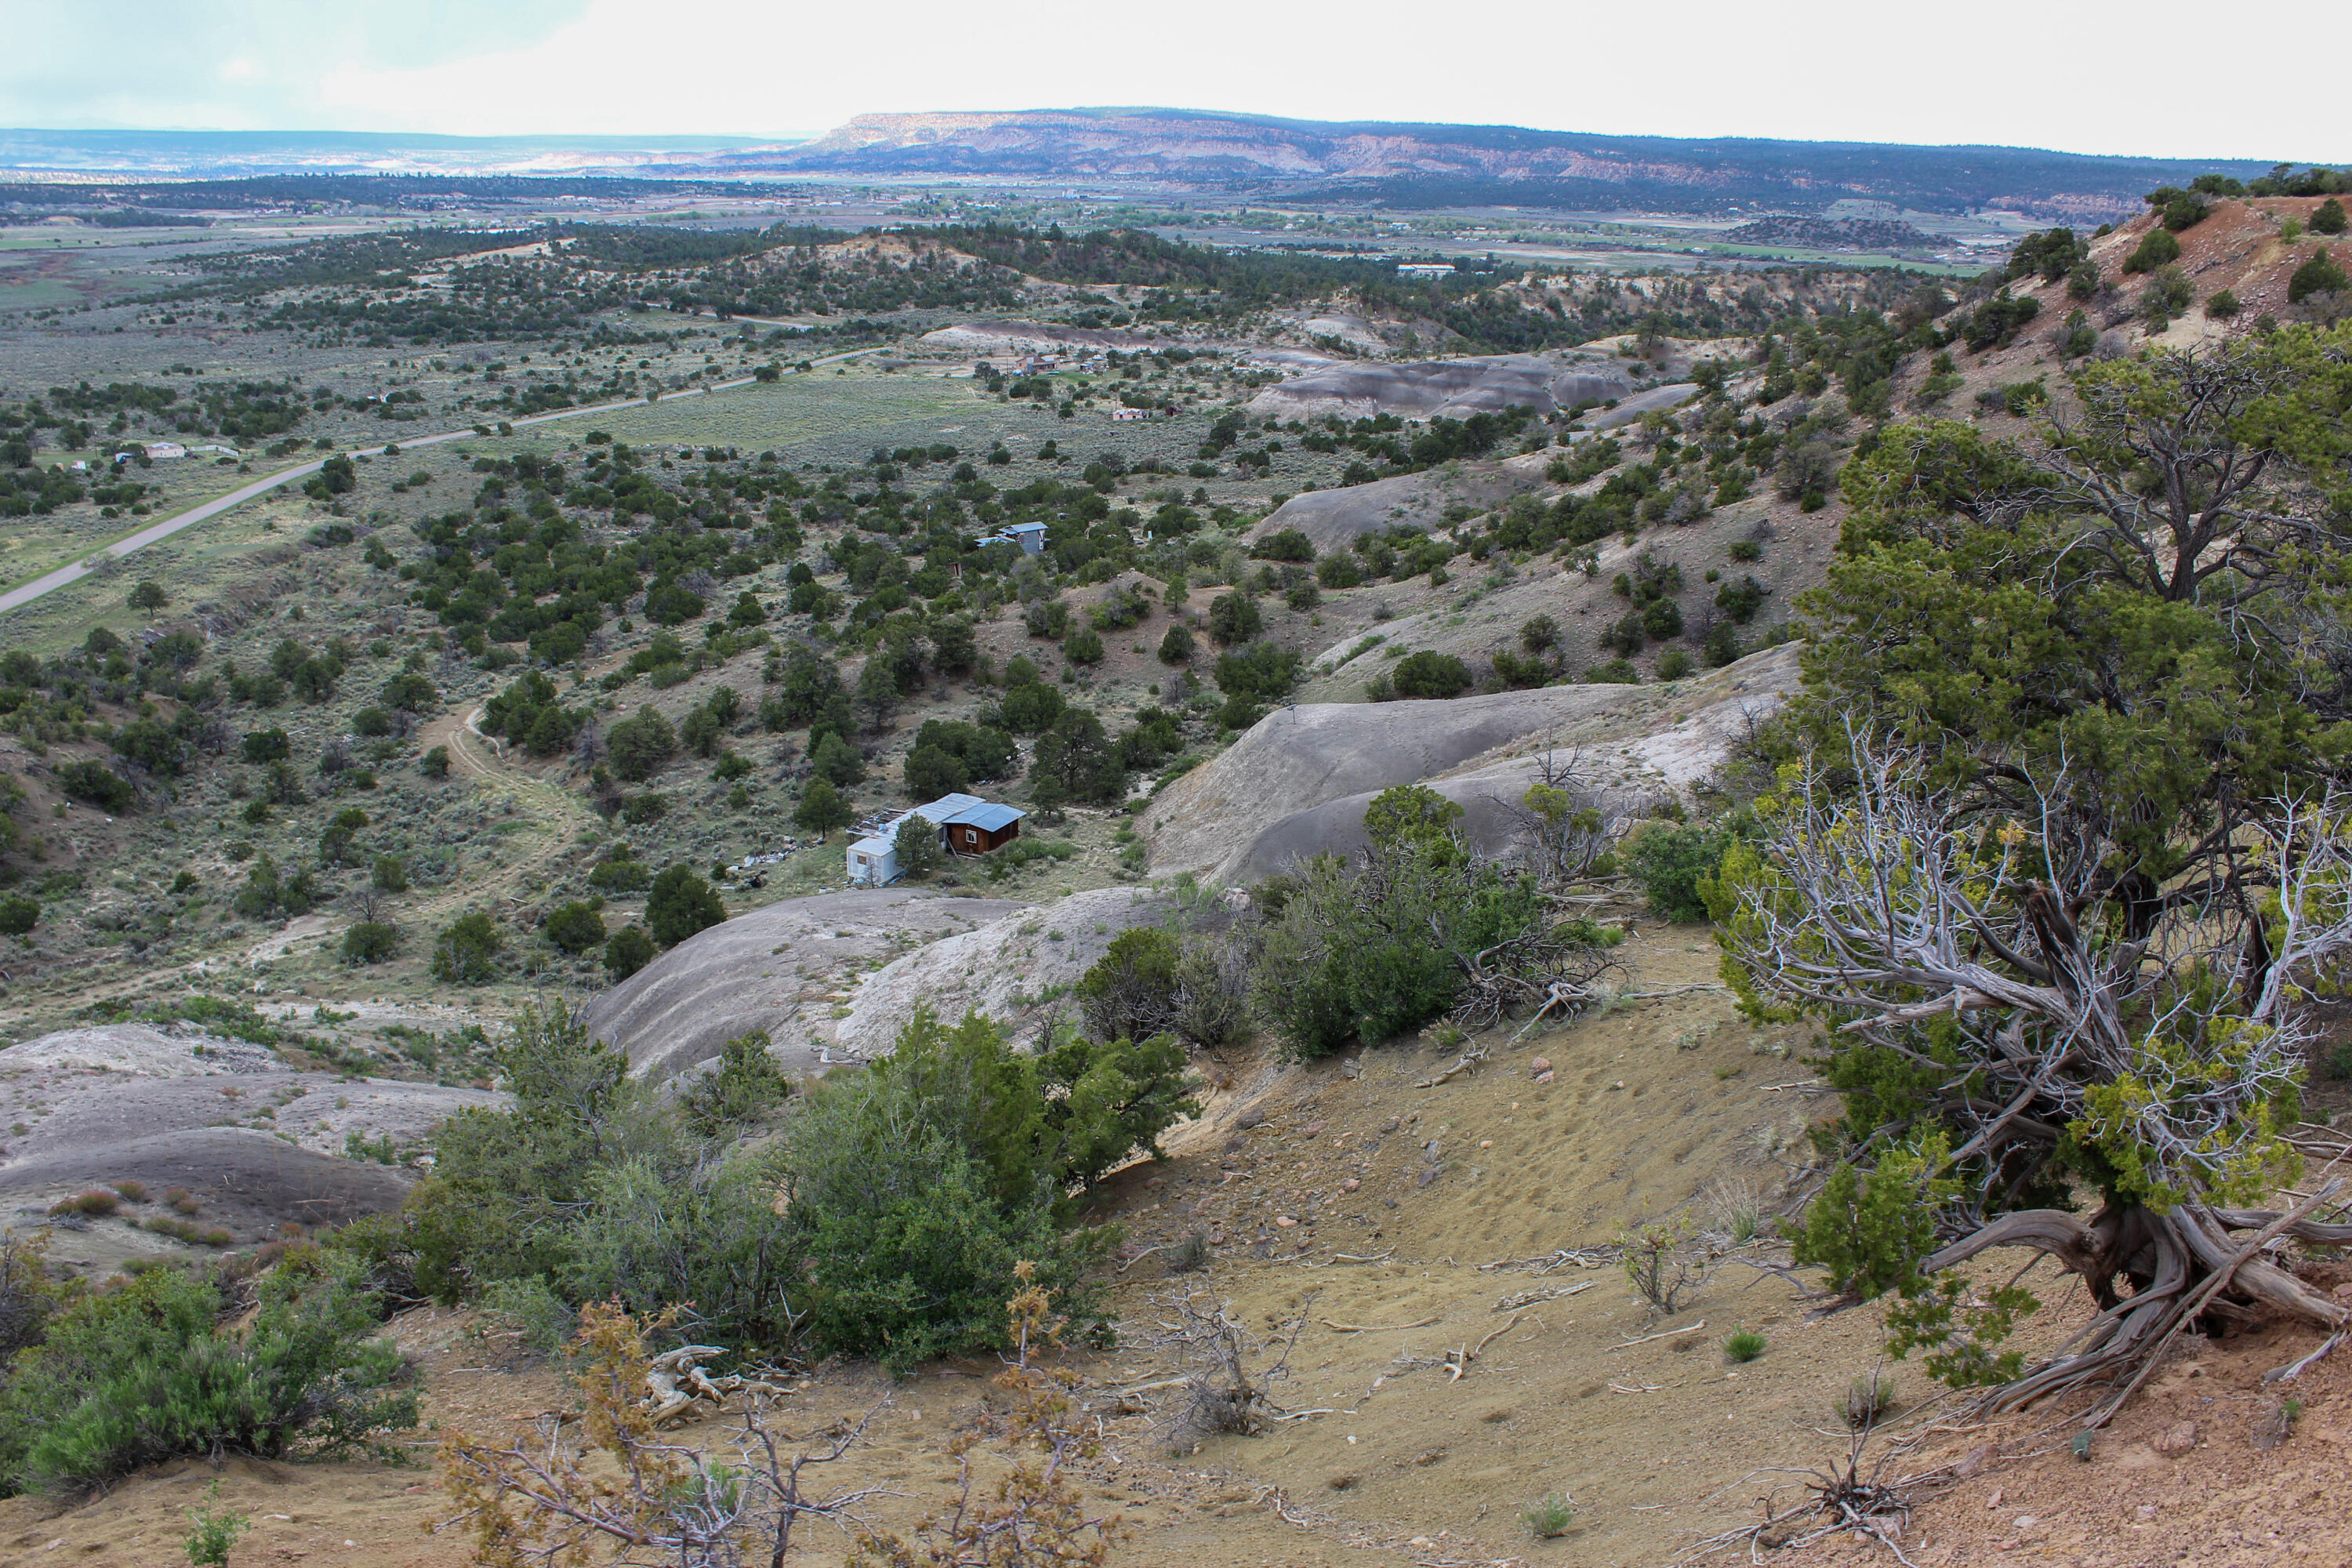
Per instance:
(1121,415)
(1424,269)
(966,824)
(1029,536)
(156,450)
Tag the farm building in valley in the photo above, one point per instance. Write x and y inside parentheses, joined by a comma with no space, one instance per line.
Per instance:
(966,824)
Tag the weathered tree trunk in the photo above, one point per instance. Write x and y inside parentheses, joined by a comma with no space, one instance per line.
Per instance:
(2185,1270)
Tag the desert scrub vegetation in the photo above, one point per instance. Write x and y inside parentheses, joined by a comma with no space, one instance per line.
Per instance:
(882,1218)
(609,1479)
(98,1382)
(1414,927)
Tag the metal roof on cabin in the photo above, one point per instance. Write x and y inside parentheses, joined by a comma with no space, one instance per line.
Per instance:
(944,809)
(988,815)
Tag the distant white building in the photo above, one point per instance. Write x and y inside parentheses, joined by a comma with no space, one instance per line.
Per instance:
(158,449)
(1029,536)
(1119,415)
(1424,269)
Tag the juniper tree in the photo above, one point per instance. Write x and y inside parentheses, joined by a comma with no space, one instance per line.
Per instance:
(2064,856)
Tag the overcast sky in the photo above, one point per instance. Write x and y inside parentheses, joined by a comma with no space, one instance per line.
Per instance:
(2146,77)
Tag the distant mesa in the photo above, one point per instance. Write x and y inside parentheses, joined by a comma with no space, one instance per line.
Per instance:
(1441,165)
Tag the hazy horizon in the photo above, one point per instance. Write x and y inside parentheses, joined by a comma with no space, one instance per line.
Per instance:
(1830,71)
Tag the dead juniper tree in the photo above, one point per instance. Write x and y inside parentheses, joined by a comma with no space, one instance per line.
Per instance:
(1036,1513)
(551,1499)
(1229,1372)
(1566,822)
(2009,1026)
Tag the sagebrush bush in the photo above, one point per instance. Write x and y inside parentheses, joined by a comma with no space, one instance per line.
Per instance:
(1866,1398)
(133,1376)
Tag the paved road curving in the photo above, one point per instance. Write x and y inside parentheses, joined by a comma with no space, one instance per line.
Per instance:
(25,593)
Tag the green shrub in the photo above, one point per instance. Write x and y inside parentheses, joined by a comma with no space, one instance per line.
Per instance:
(837,762)
(1743,1346)
(1674,664)
(1130,991)
(916,845)
(2222,306)
(2317,275)
(18,915)
(741,1089)
(629,950)
(1670,861)
(1867,1399)
(932,772)
(739,1272)
(213,1531)
(575,927)
(915,1188)
(1428,674)
(1284,544)
(1176,645)
(136,1375)
(542,1320)
(467,950)
(1366,952)
(2327,218)
(94,782)
(618,874)
(820,808)
(641,746)
(1262,672)
(95,1204)
(2156,249)
(434,763)
(1103,1099)
(1084,645)
(1233,619)
(680,904)
(1549,1519)
(370,942)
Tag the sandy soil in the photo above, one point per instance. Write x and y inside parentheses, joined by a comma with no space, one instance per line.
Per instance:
(1466,1199)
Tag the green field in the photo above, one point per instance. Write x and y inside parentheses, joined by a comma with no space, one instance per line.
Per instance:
(797,410)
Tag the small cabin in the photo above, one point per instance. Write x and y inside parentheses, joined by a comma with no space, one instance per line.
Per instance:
(1029,536)
(966,824)
(1120,415)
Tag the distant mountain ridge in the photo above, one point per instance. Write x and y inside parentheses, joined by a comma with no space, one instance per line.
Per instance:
(1470,164)
(1373,162)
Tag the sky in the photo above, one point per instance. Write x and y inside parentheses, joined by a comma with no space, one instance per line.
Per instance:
(2085,76)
